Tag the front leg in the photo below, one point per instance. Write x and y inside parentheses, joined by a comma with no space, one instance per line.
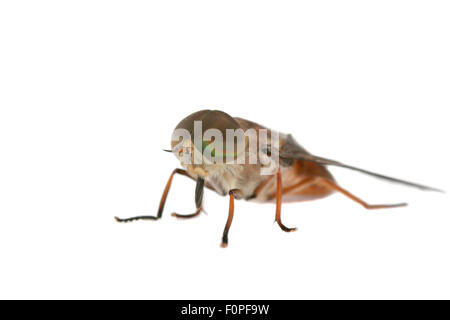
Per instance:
(161,203)
(198,200)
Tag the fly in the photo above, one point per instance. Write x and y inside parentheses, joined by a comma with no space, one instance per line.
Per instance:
(254,163)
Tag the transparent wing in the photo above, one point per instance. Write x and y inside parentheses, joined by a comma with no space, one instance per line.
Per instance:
(291,150)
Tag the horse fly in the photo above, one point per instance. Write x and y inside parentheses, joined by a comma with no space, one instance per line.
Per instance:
(257,164)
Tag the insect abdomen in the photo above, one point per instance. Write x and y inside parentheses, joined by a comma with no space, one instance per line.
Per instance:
(299,183)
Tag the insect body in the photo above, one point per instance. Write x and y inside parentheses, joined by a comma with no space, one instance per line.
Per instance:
(263,168)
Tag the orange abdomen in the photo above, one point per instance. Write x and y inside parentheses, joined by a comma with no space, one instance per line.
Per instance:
(298,183)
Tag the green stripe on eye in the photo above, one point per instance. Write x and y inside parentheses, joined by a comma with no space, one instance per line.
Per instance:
(205,144)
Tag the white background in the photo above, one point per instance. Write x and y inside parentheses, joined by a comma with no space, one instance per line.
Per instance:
(90,92)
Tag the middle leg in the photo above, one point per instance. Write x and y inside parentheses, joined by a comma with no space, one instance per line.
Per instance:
(229,220)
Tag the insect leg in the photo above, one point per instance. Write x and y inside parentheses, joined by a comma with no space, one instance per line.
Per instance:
(185,216)
(229,220)
(161,203)
(198,200)
(335,187)
(278,206)
(303,182)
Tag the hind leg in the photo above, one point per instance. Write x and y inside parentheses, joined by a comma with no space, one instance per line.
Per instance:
(278,205)
(332,185)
